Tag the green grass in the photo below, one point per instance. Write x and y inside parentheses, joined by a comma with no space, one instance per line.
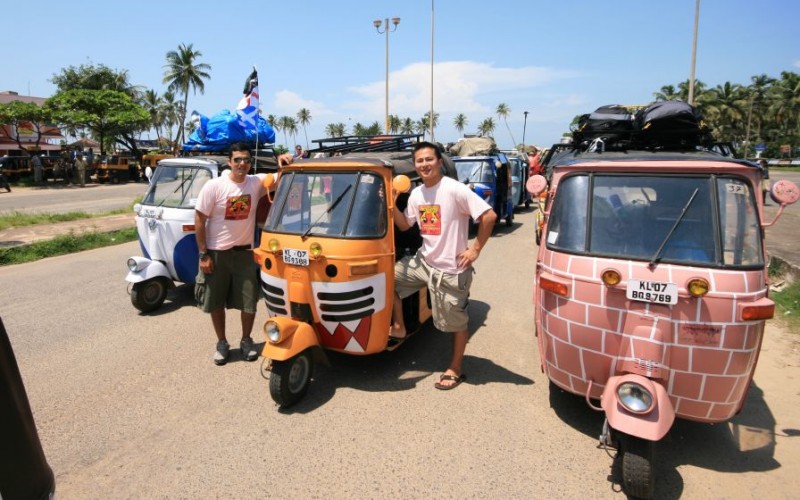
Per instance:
(787,303)
(20,219)
(63,245)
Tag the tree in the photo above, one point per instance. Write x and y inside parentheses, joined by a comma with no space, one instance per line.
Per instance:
(426,124)
(21,115)
(667,93)
(374,129)
(183,74)
(460,123)
(486,127)
(407,126)
(152,102)
(726,109)
(289,126)
(108,113)
(359,129)
(394,124)
(304,117)
(502,112)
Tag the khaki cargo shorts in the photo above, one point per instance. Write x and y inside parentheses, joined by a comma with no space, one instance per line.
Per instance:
(449,292)
(232,285)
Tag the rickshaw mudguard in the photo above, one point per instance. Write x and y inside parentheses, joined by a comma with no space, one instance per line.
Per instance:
(296,337)
(151,269)
(652,425)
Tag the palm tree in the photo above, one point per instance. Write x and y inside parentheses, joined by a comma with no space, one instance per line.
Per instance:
(407,126)
(394,124)
(359,129)
(304,117)
(502,112)
(425,120)
(486,127)
(183,73)
(460,122)
(667,93)
(289,126)
(725,109)
(152,103)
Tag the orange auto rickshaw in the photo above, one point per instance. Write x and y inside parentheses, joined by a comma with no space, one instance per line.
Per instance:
(326,259)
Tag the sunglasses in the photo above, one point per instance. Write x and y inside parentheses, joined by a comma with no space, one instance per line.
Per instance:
(242,160)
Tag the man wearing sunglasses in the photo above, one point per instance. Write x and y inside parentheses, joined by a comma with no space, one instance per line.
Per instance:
(225,219)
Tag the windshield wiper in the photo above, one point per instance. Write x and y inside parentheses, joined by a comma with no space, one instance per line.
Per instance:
(657,256)
(329,210)
(174,191)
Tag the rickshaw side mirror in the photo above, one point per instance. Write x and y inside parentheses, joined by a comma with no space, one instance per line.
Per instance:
(784,193)
(536,184)
(401,183)
(268,181)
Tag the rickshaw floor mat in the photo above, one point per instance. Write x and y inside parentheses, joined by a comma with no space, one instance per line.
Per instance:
(456,381)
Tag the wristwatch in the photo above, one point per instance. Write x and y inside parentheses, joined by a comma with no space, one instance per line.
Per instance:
(203,255)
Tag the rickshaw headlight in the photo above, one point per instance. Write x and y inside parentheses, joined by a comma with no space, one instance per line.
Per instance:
(611,277)
(634,397)
(697,287)
(136,265)
(274,245)
(315,250)
(132,265)
(272,331)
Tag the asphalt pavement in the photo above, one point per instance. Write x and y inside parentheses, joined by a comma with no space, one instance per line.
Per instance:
(782,238)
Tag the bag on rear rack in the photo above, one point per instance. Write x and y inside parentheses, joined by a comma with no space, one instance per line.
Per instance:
(671,124)
(611,124)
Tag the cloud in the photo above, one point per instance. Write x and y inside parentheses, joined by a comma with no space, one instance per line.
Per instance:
(288,103)
(459,86)
(797,64)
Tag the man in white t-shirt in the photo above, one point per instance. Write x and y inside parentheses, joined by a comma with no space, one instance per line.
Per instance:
(225,219)
(442,207)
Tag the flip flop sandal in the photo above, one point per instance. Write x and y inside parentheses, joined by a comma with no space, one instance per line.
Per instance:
(456,381)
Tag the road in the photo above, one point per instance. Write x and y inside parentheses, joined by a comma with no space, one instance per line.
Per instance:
(94,198)
(131,405)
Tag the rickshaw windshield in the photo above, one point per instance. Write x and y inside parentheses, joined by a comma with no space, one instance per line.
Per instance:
(474,171)
(330,204)
(633,216)
(176,187)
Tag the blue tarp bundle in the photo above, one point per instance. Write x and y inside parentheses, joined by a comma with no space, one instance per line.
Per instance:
(225,128)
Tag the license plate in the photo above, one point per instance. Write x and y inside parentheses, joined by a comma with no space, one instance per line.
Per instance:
(656,292)
(148,212)
(295,257)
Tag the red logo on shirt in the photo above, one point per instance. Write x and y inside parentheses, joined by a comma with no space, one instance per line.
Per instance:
(238,207)
(430,220)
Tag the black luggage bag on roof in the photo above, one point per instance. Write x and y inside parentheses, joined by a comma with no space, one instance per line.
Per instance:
(611,123)
(671,124)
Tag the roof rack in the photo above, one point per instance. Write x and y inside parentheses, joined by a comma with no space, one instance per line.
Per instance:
(365,143)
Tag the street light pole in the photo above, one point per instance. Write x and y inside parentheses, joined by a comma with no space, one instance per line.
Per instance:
(694,52)
(386,29)
(524,126)
(431,116)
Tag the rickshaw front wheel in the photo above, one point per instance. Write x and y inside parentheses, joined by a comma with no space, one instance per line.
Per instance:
(290,379)
(637,466)
(149,295)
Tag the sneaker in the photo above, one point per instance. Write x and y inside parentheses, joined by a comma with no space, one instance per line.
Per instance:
(249,352)
(221,354)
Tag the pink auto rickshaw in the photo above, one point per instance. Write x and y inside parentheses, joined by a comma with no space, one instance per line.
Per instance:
(651,291)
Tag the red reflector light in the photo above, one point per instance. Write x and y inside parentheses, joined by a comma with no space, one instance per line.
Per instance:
(751,313)
(553,286)
(187,228)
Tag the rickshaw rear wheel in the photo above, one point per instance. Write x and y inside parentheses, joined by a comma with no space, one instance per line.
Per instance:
(637,466)
(290,379)
(149,295)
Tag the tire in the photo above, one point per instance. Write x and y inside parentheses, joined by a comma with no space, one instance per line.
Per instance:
(289,380)
(149,295)
(637,466)
(509,220)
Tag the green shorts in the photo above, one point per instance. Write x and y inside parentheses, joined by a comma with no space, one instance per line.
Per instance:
(449,292)
(232,285)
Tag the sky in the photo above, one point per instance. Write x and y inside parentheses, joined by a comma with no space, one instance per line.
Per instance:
(553,59)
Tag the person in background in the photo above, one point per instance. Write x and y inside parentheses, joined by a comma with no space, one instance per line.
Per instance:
(442,207)
(225,220)
(90,159)
(37,169)
(80,169)
(3,180)
(299,152)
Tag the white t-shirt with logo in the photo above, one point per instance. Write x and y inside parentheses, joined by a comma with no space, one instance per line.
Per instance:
(231,210)
(443,212)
